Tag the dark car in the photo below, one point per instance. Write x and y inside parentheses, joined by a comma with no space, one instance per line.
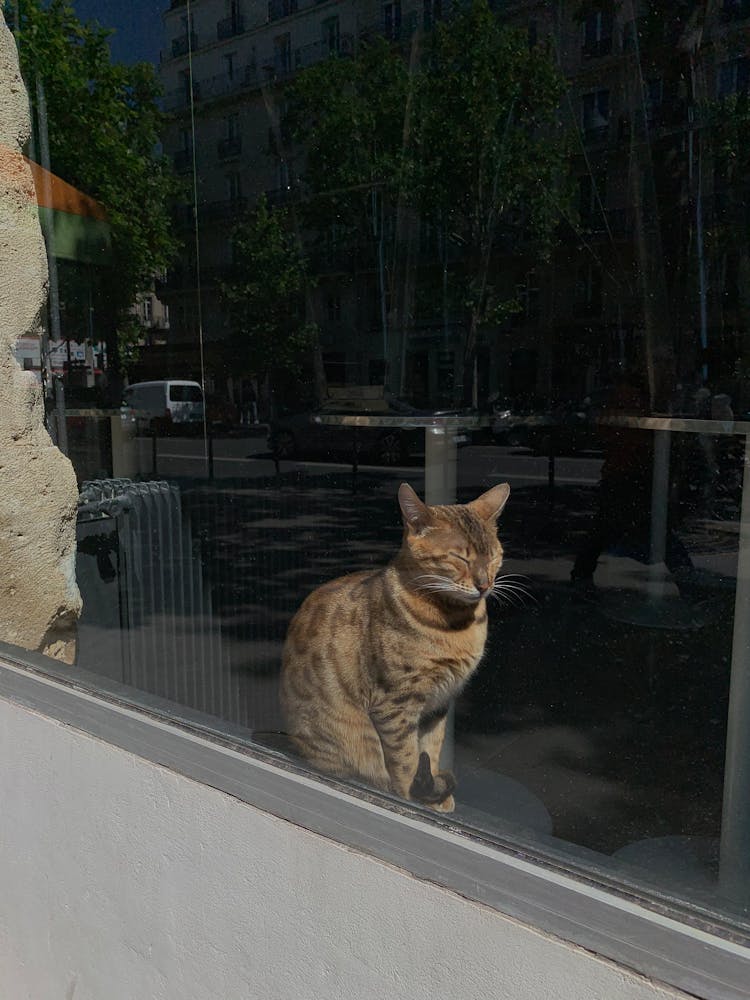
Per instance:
(310,433)
(566,428)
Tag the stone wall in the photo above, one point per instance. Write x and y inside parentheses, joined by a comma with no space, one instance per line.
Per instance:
(39,599)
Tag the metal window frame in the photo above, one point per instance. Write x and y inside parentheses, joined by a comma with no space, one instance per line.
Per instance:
(614,926)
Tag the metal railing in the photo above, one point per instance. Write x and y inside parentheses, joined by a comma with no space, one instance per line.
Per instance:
(281,8)
(185,43)
(229,27)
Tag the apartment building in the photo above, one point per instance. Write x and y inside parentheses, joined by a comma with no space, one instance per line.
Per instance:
(223,71)
(628,277)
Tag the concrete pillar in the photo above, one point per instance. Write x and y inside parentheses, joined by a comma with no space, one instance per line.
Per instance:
(39,599)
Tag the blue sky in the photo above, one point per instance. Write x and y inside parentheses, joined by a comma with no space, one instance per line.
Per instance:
(137,24)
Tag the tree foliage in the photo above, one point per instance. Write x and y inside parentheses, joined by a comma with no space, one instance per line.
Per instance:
(465,137)
(348,116)
(265,294)
(103,123)
(490,153)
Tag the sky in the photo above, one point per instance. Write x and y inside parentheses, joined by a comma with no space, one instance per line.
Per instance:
(137,23)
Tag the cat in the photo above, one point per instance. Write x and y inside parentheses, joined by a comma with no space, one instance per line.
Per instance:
(373,660)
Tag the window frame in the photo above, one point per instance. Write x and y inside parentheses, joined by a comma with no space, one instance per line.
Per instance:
(704,959)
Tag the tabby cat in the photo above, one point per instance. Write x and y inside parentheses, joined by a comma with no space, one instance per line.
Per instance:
(372,660)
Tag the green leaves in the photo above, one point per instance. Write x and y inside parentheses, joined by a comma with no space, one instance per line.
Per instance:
(348,115)
(265,293)
(465,137)
(103,124)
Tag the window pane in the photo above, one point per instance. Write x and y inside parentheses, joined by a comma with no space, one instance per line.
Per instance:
(453,248)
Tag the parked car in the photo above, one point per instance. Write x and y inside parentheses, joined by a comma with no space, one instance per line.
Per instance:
(307,433)
(568,427)
(165,405)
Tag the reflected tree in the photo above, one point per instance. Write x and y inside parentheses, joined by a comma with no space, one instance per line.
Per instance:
(103,122)
(489,163)
(265,298)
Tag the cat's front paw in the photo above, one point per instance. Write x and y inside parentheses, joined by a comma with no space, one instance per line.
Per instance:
(432,790)
(446,806)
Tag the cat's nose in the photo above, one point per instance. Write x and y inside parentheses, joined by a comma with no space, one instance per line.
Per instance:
(483,586)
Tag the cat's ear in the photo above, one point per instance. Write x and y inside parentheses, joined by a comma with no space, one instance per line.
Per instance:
(490,505)
(416,514)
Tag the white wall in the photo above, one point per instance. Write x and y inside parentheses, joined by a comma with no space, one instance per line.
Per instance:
(121,880)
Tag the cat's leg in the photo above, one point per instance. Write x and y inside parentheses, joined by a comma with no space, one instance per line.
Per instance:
(398,728)
(434,790)
(347,746)
(431,734)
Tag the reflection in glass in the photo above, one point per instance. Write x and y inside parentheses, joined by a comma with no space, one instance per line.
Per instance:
(454,247)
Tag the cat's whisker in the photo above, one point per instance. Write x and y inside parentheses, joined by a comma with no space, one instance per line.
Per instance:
(508,598)
(517,589)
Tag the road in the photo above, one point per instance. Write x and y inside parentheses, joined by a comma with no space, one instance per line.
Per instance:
(248,457)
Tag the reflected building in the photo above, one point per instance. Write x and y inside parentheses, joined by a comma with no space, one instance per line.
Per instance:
(650,212)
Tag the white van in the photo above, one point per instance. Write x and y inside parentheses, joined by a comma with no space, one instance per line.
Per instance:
(157,406)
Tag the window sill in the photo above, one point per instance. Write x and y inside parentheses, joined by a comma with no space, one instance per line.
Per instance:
(551,900)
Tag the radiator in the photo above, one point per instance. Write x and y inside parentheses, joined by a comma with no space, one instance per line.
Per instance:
(148,618)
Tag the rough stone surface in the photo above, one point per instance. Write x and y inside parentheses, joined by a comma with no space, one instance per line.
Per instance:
(39,599)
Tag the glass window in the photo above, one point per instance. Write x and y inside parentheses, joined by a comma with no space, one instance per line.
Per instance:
(410,249)
(185,393)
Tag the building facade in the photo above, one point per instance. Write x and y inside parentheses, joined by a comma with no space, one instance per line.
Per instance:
(646,217)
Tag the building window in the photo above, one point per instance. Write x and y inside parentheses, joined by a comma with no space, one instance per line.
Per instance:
(431,12)
(282,53)
(233,182)
(281,8)
(230,64)
(588,299)
(333,308)
(592,198)
(595,114)
(734,76)
(392,20)
(528,298)
(330,35)
(654,98)
(597,34)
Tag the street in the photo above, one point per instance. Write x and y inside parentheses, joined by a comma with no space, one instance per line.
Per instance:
(249,457)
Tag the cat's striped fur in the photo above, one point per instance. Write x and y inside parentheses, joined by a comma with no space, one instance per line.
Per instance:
(372,660)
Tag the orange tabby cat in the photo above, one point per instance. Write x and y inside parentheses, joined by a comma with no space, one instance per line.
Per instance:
(372,660)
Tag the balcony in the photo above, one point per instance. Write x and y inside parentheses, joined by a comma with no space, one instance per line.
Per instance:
(229,147)
(175,100)
(308,55)
(213,88)
(281,8)
(184,44)
(229,27)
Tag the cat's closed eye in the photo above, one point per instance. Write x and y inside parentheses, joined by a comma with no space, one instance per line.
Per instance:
(457,556)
